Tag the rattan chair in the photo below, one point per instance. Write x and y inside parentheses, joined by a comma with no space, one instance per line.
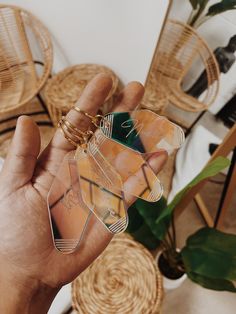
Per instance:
(180,47)
(25,57)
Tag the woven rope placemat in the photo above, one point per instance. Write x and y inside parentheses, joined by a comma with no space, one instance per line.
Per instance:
(65,88)
(123,280)
(8,124)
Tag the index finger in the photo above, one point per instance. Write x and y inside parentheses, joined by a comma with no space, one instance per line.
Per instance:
(90,101)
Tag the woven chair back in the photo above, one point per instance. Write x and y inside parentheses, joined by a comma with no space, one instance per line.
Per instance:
(25,57)
(180,48)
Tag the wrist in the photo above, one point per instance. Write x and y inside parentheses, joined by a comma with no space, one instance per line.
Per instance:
(26,296)
(41,299)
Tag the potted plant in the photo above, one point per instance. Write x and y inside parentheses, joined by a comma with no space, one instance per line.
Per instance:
(208,257)
(203,10)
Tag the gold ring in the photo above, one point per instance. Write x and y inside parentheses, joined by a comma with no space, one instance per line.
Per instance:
(75,131)
(73,135)
(94,119)
(72,142)
(70,131)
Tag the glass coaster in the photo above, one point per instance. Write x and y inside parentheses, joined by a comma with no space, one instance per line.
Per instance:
(130,166)
(68,215)
(101,189)
(143,131)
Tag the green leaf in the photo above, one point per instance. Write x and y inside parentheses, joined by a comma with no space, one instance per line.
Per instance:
(194,3)
(198,3)
(210,170)
(220,7)
(211,253)
(209,263)
(135,219)
(145,236)
(213,284)
(212,239)
(138,227)
(150,212)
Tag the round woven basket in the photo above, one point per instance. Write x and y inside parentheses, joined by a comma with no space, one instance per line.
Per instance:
(65,88)
(123,280)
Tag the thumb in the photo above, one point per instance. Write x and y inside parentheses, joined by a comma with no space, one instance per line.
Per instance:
(22,156)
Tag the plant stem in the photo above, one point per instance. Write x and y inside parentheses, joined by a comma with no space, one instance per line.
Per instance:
(166,244)
(173,229)
(195,18)
(191,17)
(170,239)
(201,21)
(198,14)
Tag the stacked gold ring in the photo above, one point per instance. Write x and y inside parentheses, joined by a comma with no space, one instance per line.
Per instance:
(74,135)
(94,119)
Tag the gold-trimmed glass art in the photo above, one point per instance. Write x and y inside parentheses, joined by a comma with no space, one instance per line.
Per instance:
(101,178)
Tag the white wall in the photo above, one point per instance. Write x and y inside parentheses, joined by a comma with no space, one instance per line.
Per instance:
(121,34)
(216,32)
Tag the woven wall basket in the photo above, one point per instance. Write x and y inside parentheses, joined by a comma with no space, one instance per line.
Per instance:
(64,89)
(123,280)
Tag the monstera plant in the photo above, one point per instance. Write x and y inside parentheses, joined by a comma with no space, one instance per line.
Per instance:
(202,10)
(208,257)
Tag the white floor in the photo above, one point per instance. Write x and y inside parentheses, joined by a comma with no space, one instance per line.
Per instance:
(62,302)
(187,299)
(193,299)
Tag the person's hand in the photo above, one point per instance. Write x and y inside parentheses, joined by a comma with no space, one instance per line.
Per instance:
(31,269)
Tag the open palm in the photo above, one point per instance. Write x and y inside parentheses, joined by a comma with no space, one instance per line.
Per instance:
(26,246)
